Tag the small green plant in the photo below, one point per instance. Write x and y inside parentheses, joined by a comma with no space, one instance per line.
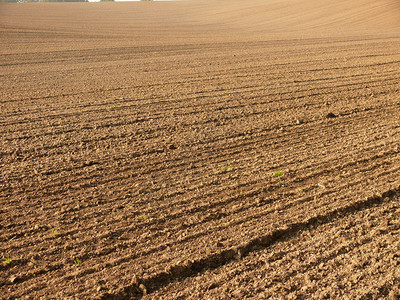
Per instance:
(77,261)
(55,232)
(300,191)
(6,260)
(143,217)
(228,168)
(278,173)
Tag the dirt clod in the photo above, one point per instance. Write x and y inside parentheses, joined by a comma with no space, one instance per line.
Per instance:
(172,147)
(13,279)
(330,115)
(143,289)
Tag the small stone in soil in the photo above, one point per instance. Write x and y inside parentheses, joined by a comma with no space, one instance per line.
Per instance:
(13,279)
(100,288)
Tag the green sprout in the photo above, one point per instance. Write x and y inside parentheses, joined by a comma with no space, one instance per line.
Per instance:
(144,217)
(77,261)
(55,232)
(228,168)
(6,260)
(278,173)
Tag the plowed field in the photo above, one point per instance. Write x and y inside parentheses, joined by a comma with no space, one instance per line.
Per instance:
(200,149)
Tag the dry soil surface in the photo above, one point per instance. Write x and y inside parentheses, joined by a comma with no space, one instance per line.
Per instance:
(200,149)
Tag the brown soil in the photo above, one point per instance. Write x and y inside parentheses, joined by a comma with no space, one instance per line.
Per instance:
(200,149)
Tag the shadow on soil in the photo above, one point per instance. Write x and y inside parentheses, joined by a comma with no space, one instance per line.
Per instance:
(144,286)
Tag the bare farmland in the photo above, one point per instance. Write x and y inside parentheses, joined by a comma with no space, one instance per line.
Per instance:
(197,149)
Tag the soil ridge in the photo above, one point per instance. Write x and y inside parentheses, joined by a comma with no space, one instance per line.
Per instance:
(144,286)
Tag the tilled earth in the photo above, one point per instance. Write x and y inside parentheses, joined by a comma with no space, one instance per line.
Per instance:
(196,159)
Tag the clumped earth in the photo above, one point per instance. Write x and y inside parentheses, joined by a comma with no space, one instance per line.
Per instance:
(200,149)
